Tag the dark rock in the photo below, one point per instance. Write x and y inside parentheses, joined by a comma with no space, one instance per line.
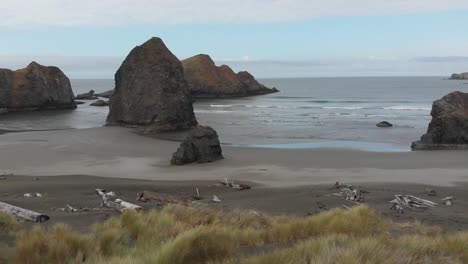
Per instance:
(459,76)
(35,87)
(100,103)
(449,126)
(87,96)
(150,90)
(205,79)
(106,94)
(384,124)
(79,102)
(201,145)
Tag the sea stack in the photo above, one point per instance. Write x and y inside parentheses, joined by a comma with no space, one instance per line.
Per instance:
(150,91)
(35,87)
(449,126)
(459,76)
(207,80)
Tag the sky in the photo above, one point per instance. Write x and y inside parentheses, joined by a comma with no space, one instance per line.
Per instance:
(269,38)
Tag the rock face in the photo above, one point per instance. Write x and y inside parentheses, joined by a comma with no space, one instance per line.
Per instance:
(35,87)
(449,126)
(100,103)
(201,145)
(384,124)
(205,79)
(459,76)
(86,96)
(150,90)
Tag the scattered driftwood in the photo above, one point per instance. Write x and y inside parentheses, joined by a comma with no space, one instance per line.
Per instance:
(146,196)
(118,204)
(397,208)
(23,213)
(215,199)
(409,201)
(448,200)
(29,195)
(349,192)
(236,186)
(197,197)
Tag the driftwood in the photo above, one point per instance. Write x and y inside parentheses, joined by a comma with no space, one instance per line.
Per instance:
(118,204)
(23,213)
(236,186)
(411,201)
(146,196)
(448,200)
(215,199)
(349,192)
(197,197)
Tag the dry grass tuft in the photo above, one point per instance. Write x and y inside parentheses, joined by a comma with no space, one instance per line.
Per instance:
(8,224)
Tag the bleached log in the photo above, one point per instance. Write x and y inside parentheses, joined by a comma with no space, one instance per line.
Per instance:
(216,199)
(128,206)
(23,213)
(118,204)
(145,196)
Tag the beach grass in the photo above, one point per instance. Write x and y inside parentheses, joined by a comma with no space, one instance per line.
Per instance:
(198,234)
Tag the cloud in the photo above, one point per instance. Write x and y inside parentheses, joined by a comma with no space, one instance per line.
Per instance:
(33,13)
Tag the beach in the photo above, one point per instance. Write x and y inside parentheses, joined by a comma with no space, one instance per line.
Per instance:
(70,164)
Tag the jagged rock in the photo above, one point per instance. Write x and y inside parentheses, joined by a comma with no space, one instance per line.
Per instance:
(35,87)
(459,76)
(150,90)
(449,126)
(86,96)
(384,124)
(100,103)
(205,79)
(79,102)
(106,94)
(201,145)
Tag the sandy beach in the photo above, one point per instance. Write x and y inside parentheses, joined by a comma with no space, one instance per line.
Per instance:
(70,164)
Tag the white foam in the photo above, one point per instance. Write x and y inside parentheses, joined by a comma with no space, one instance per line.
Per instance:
(344,107)
(220,105)
(408,107)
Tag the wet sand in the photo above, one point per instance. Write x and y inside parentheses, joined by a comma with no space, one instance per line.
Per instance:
(286,181)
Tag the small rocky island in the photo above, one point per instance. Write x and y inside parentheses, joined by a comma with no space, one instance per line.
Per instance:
(150,91)
(35,87)
(206,80)
(449,126)
(459,76)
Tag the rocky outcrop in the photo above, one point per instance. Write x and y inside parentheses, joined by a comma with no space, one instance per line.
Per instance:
(100,103)
(201,145)
(150,91)
(384,124)
(35,87)
(106,94)
(459,76)
(205,79)
(449,126)
(87,96)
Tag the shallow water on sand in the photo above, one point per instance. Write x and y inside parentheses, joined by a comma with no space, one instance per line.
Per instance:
(307,113)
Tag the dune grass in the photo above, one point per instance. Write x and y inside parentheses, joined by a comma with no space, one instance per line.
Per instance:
(8,224)
(178,234)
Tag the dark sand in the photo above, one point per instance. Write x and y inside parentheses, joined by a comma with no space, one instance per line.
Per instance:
(79,191)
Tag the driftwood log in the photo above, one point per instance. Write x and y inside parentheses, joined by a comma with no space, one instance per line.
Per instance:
(349,192)
(411,201)
(117,204)
(23,213)
(146,196)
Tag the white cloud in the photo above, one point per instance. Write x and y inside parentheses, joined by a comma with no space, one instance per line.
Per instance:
(32,13)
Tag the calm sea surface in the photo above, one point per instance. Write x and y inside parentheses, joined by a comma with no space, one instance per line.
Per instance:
(309,112)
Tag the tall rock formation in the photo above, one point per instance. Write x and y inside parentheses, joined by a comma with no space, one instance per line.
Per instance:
(459,76)
(150,90)
(35,87)
(449,126)
(205,79)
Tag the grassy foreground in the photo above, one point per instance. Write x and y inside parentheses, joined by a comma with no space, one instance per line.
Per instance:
(178,234)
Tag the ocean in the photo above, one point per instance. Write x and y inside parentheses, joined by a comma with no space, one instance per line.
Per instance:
(307,113)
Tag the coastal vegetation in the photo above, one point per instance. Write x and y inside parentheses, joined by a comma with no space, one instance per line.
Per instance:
(198,234)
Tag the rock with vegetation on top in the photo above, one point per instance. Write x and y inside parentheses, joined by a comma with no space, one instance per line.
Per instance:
(459,76)
(150,91)
(100,103)
(35,87)
(449,126)
(384,124)
(87,96)
(205,79)
(201,145)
